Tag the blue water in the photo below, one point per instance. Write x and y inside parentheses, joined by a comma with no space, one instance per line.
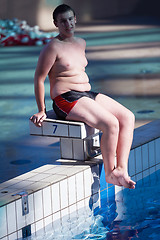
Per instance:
(133,214)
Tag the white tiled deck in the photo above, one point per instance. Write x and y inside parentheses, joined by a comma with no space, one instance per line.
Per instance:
(53,191)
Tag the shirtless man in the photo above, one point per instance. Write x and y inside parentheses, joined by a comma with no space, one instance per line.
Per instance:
(63,60)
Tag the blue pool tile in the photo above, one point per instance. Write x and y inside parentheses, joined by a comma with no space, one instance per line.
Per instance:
(103,184)
(157,150)
(138,158)
(152,158)
(131,163)
(145,157)
(111,191)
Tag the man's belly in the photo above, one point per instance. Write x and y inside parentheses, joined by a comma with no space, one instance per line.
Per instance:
(61,87)
(64,84)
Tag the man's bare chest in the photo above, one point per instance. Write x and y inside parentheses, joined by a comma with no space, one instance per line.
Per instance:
(70,58)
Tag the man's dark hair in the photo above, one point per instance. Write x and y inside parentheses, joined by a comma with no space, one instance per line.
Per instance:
(61,9)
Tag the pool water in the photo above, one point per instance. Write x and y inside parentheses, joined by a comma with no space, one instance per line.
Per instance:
(133,214)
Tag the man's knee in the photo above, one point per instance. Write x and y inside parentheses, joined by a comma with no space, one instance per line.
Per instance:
(132,117)
(129,119)
(111,127)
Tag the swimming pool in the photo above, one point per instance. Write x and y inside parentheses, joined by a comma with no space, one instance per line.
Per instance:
(132,214)
(128,82)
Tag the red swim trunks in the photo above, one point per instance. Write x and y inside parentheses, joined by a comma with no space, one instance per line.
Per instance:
(63,103)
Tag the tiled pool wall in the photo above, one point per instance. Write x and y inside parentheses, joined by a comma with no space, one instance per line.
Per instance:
(49,204)
(144,160)
(52,202)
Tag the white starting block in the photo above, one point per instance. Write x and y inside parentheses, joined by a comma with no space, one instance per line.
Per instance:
(78,141)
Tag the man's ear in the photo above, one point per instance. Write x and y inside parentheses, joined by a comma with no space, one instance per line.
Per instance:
(75,19)
(55,23)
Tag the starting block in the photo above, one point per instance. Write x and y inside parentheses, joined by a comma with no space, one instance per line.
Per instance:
(78,141)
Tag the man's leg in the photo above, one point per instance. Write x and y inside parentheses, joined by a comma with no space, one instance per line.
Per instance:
(95,115)
(126,121)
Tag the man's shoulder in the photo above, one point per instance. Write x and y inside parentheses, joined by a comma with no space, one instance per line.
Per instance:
(51,46)
(81,41)
(53,43)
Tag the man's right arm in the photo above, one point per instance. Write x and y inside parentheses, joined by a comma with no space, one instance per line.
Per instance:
(45,63)
(40,96)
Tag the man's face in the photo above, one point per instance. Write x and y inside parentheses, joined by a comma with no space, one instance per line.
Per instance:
(66,23)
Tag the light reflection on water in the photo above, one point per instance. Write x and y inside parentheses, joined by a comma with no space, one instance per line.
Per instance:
(140,217)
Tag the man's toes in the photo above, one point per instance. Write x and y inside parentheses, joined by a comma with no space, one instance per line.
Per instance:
(124,182)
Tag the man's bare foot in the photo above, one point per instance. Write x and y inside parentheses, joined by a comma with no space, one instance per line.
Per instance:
(120,177)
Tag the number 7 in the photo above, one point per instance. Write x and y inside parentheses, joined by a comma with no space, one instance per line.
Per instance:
(55,128)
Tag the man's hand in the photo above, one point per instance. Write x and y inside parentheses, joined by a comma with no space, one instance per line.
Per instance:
(38,118)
